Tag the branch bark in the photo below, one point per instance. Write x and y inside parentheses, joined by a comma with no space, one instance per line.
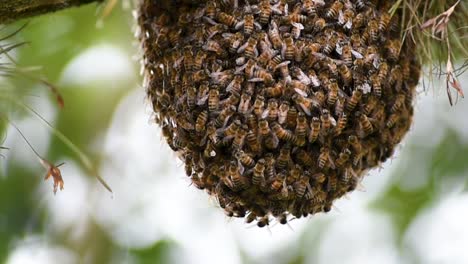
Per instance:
(12,10)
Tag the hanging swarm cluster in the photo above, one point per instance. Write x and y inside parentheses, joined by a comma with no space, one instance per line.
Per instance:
(278,107)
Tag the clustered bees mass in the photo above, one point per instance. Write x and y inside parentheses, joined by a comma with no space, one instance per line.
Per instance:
(278,107)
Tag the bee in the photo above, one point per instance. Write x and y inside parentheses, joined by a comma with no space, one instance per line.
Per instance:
(361,4)
(259,105)
(238,181)
(359,20)
(291,117)
(252,141)
(227,19)
(214,46)
(263,127)
(335,8)
(283,157)
(199,76)
(283,112)
(262,75)
(201,121)
(326,118)
(210,32)
(332,92)
(275,38)
(343,158)
(264,11)
(314,129)
(346,19)
(373,29)
(244,104)
(188,58)
(345,74)
(319,24)
(383,71)
(209,151)
(271,113)
(354,100)
(301,128)
(301,186)
(198,182)
(304,158)
(328,45)
(288,49)
(392,119)
(319,177)
(245,159)
(211,9)
(213,100)
(393,49)
(258,177)
(324,159)
(224,115)
(282,133)
(341,124)
(346,55)
(233,99)
(249,48)
(305,103)
(274,62)
(240,137)
(309,7)
(384,21)
(232,129)
(399,102)
(234,41)
(365,124)
(296,29)
(251,121)
(248,24)
(284,70)
(396,75)
(376,85)
(332,184)
(265,57)
(301,76)
(264,221)
(184,123)
(198,62)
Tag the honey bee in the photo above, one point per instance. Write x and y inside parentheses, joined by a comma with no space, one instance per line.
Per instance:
(359,20)
(224,115)
(244,104)
(188,58)
(343,158)
(233,99)
(275,91)
(258,177)
(345,74)
(275,38)
(274,62)
(301,128)
(309,7)
(314,129)
(249,48)
(354,100)
(198,182)
(332,92)
(213,100)
(319,24)
(319,177)
(373,29)
(399,102)
(383,71)
(234,41)
(262,75)
(245,159)
(304,158)
(232,129)
(271,113)
(335,8)
(210,9)
(259,105)
(247,23)
(263,127)
(393,49)
(301,186)
(199,76)
(284,70)
(325,159)
(346,55)
(301,76)
(284,157)
(288,49)
(291,117)
(376,85)
(265,57)
(264,11)
(264,221)
(384,21)
(271,141)
(328,45)
(346,19)
(361,4)
(210,32)
(395,75)
(252,141)
(227,19)
(331,187)
(238,181)
(201,121)
(392,119)
(283,112)
(214,46)
(365,125)
(326,121)
(240,137)
(305,103)
(296,29)
(341,124)
(282,133)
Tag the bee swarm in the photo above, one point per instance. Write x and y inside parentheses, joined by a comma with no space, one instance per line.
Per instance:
(278,107)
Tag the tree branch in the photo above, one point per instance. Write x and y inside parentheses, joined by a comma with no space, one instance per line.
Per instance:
(12,10)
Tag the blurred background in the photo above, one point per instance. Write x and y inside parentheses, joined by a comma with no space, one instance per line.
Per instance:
(414,209)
